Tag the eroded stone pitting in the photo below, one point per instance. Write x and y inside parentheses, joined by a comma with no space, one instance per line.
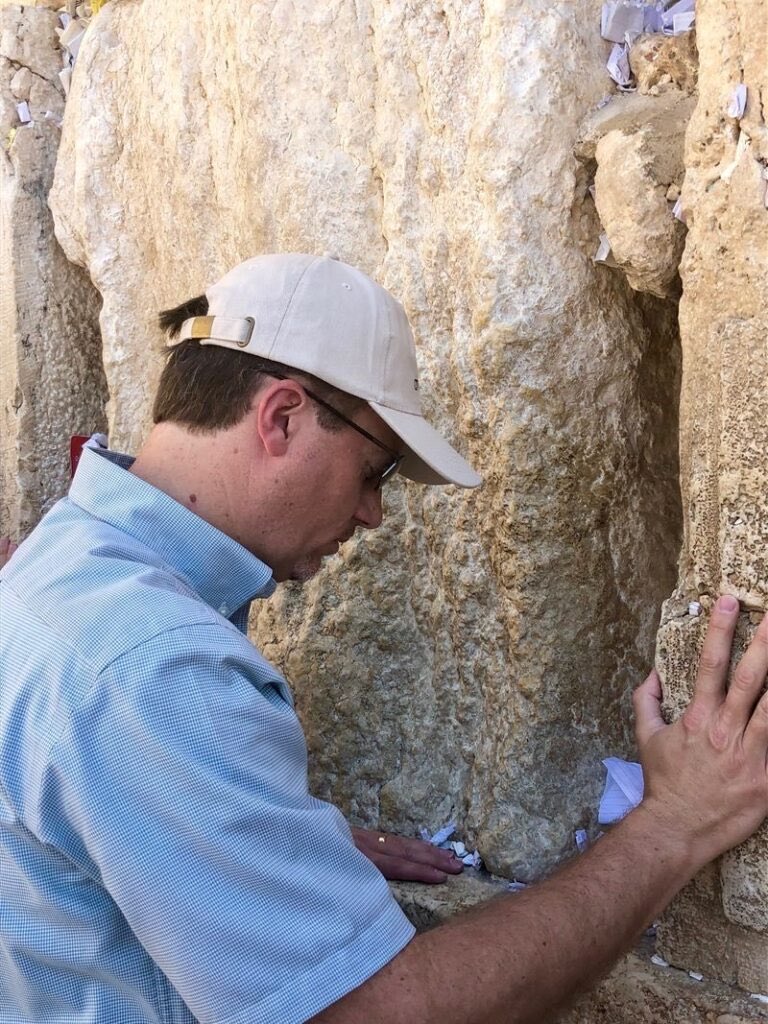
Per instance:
(52,384)
(475,657)
(451,694)
(721,917)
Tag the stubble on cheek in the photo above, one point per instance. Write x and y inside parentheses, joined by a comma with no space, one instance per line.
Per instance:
(305,569)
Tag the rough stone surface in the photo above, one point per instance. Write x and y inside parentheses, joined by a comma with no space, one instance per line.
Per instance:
(660,63)
(51,384)
(723,919)
(475,657)
(634,149)
(634,992)
(631,199)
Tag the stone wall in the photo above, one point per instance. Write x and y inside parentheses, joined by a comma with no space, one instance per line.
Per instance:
(719,925)
(474,658)
(52,384)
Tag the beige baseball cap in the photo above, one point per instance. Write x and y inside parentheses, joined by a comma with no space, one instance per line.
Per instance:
(317,314)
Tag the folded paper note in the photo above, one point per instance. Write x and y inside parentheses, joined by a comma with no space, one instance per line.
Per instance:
(738,101)
(620,21)
(623,789)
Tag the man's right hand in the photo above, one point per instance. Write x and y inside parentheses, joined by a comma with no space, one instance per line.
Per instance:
(522,958)
(706,775)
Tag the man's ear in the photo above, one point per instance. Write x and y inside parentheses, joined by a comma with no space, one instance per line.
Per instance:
(278,408)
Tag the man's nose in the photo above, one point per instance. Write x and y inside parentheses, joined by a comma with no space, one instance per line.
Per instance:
(369,513)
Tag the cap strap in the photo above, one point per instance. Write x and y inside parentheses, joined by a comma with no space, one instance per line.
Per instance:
(236,330)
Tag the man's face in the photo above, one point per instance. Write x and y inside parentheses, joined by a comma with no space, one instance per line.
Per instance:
(332,491)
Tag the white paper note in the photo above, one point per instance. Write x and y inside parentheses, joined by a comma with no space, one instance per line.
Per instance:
(652,18)
(683,22)
(741,147)
(65,77)
(603,250)
(679,213)
(684,11)
(738,101)
(620,21)
(443,834)
(618,65)
(623,789)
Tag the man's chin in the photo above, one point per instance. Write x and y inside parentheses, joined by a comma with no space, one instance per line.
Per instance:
(304,570)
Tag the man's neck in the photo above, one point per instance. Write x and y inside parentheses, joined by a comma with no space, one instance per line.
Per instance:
(199,471)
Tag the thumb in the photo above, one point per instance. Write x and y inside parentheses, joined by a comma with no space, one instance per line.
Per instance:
(647,702)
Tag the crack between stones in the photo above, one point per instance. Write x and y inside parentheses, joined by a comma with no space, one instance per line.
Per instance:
(17,66)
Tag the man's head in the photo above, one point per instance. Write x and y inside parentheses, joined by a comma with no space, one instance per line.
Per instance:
(206,387)
(328,320)
(314,363)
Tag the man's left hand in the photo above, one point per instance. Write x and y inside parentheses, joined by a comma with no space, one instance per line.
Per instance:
(410,860)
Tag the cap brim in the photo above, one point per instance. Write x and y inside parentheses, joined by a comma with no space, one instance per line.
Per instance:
(430,459)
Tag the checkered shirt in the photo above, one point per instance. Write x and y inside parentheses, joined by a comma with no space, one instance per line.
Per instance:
(161,858)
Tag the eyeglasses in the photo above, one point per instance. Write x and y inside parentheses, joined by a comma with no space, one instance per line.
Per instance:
(389,470)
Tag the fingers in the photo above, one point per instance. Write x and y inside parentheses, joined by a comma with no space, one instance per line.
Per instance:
(406,859)
(647,701)
(756,733)
(749,676)
(7,548)
(716,653)
(419,852)
(403,870)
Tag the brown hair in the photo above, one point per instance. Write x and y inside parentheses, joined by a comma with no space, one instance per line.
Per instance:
(208,387)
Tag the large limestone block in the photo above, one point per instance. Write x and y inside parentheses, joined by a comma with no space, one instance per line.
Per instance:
(52,383)
(724,440)
(473,658)
(633,148)
(635,173)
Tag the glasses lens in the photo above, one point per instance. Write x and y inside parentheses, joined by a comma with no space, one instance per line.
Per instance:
(388,472)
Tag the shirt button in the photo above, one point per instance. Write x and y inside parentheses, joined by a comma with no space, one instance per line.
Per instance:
(224,610)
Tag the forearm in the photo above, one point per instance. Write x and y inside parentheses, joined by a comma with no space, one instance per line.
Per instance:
(519,958)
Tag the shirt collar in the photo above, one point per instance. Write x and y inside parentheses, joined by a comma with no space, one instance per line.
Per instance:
(220,570)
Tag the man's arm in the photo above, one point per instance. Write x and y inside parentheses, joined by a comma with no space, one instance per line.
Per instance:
(520,958)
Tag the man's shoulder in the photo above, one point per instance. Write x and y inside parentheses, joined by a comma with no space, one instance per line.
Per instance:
(83,584)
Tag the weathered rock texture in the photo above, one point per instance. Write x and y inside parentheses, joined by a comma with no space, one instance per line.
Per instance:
(51,384)
(636,147)
(661,63)
(720,923)
(474,658)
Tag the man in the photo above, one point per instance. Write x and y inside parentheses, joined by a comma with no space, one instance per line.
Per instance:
(162,858)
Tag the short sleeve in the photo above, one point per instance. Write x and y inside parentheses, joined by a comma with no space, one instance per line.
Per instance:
(184,777)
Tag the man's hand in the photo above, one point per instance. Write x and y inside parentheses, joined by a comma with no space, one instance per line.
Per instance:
(706,776)
(521,958)
(7,548)
(410,860)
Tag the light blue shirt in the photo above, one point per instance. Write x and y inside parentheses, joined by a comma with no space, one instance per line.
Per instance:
(161,858)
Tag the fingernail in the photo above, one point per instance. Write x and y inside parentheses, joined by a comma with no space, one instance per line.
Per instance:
(727,603)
